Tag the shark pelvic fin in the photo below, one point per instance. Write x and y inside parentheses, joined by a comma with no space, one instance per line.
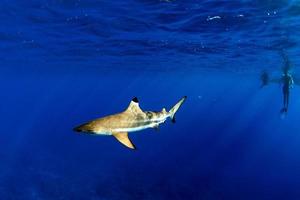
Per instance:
(134,107)
(124,139)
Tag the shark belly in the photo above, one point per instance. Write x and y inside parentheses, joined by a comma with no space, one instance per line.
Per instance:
(103,133)
(141,126)
(134,129)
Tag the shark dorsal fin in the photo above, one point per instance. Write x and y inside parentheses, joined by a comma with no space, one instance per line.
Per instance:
(124,139)
(134,107)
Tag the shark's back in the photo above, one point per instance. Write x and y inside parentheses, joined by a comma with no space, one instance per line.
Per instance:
(132,117)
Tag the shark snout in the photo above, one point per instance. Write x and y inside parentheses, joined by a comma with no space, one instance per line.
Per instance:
(77,129)
(82,128)
(83,132)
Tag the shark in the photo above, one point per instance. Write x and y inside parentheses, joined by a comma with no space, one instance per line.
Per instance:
(132,119)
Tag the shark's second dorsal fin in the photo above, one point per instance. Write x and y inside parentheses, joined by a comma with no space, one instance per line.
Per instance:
(124,139)
(134,107)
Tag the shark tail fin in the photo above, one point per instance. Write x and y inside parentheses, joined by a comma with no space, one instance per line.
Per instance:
(173,110)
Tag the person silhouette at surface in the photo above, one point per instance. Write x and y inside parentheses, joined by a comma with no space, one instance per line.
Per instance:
(287,82)
(264,77)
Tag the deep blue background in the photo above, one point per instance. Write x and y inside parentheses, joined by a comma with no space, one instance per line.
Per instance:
(66,62)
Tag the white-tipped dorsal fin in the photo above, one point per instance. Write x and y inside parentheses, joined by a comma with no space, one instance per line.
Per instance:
(134,106)
(123,138)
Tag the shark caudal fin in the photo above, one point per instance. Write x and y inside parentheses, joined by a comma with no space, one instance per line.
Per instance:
(173,110)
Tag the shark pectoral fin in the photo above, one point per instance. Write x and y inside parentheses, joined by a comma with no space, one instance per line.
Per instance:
(124,139)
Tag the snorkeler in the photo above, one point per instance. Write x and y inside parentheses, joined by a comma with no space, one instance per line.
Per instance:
(264,79)
(287,81)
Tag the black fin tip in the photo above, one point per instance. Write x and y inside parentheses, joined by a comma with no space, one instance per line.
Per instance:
(135,99)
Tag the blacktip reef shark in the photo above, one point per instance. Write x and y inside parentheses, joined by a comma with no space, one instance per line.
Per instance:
(131,120)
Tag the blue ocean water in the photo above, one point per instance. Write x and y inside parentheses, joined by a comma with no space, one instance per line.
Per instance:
(65,62)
